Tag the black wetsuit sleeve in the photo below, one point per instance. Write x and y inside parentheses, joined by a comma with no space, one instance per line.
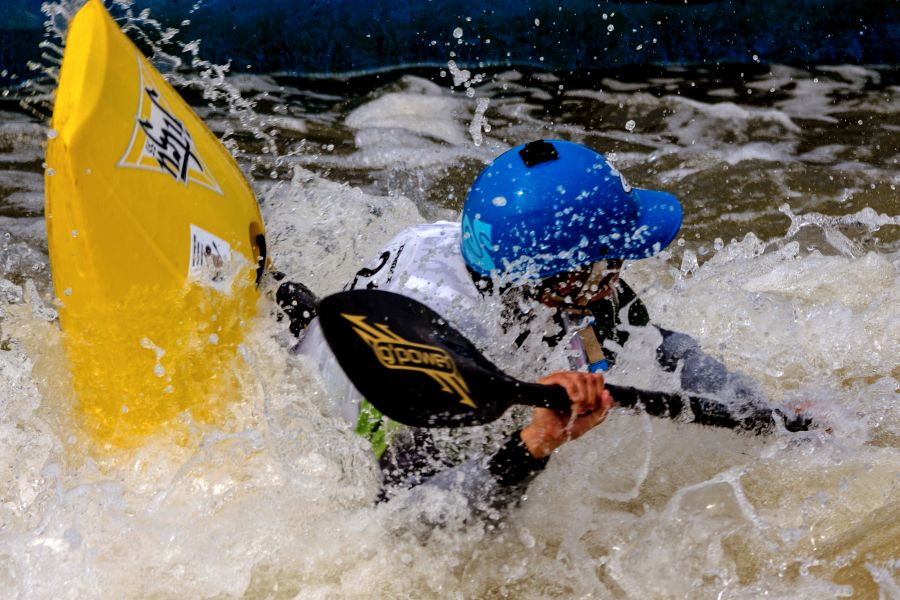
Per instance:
(703,374)
(412,464)
(512,465)
(410,459)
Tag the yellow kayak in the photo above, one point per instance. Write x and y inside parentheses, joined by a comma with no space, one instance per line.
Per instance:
(155,241)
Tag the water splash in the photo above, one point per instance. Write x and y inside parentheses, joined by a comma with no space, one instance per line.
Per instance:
(479,123)
(638,508)
(867,217)
(181,62)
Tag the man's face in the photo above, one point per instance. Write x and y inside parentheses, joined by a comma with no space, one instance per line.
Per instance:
(581,286)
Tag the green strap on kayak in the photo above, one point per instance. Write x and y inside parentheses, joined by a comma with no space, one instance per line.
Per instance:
(376,427)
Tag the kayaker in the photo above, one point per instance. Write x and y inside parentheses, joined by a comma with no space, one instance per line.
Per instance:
(543,234)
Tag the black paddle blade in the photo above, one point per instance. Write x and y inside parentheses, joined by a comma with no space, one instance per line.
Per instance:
(414,367)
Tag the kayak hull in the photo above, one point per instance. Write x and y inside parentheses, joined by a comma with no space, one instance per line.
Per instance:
(154,239)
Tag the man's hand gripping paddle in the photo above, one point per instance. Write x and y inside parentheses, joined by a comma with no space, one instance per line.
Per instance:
(418,370)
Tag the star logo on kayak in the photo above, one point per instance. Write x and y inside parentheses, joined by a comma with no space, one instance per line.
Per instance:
(394,352)
(161,141)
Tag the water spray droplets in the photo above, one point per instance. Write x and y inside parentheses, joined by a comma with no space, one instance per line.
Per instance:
(866,217)
(158,369)
(460,76)
(38,308)
(479,123)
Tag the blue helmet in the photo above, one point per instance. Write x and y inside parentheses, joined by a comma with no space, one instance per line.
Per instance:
(547,207)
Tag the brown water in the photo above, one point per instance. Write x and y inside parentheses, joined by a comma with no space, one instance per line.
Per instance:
(786,268)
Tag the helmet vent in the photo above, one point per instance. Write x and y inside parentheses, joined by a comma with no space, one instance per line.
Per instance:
(537,152)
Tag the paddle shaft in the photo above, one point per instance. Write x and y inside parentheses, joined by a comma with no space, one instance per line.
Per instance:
(697,409)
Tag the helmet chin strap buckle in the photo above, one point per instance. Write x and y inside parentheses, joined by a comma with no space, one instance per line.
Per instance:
(537,152)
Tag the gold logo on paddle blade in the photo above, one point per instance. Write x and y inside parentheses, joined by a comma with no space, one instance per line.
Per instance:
(394,352)
(161,141)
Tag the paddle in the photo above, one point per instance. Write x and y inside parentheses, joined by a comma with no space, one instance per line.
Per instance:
(415,368)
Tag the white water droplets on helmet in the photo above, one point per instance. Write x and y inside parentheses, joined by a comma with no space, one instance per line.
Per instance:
(625,185)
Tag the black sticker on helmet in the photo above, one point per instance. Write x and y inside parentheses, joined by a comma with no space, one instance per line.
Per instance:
(537,152)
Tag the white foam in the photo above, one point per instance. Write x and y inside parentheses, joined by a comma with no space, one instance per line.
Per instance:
(545,77)
(867,217)
(762,310)
(639,505)
(28,201)
(810,99)
(589,94)
(22,180)
(826,154)
(857,76)
(288,123)
(425,111)
(277,500)
(737,115)
(723,93)
(21,137)
(30,229)
(779,77)
(508,76)
(621,86)
(760,151)
(246,82)
(348,228)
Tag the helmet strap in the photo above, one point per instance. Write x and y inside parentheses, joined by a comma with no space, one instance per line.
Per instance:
(590,290)
(598,272)
(592,348)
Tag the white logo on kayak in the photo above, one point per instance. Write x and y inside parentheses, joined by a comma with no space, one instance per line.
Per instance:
(161,142)
(210,263)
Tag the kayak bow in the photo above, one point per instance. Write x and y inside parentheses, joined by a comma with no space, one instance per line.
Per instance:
(154,235)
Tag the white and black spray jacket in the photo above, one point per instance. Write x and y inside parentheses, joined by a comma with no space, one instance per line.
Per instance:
(492,469)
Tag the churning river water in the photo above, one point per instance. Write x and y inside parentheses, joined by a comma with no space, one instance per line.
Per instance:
(787,268)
